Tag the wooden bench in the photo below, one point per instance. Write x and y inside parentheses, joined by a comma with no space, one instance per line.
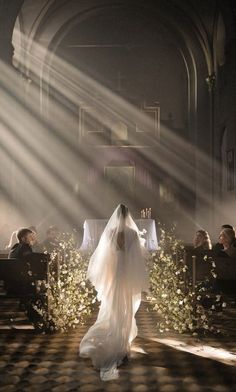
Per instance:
(200,269)
(20,276)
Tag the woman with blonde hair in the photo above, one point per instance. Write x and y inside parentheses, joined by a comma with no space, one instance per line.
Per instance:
(202,241)
(227,239)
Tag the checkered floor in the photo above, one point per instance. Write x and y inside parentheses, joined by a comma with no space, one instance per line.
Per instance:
(167,363)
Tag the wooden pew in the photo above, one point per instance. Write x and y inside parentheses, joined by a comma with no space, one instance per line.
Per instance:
(225,269)
(20,276)
(20,279)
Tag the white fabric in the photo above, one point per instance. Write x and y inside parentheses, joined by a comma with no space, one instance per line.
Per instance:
(117,270)
(93,229)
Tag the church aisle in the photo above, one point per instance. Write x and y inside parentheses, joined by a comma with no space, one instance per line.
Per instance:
(31,362)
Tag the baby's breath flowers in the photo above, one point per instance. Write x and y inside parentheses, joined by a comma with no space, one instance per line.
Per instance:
(69,296)
(179,305)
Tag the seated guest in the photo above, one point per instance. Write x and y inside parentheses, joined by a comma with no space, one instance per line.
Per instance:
(13,240)
(36,245)
(219,246)
(201,242)
(24,247)
(51,241)
(227,240)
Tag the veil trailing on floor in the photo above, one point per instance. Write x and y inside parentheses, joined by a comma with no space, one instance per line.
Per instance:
(118,272)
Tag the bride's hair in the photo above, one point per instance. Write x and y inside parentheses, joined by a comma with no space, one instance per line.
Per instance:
(123,210)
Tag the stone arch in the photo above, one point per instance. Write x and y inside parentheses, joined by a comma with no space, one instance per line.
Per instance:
(192,42)
(188,51)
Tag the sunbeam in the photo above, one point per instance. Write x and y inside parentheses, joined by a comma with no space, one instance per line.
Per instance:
(56,159)
(201,350)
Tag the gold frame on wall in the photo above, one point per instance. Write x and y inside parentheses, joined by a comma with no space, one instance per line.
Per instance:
(82,129)
(106,125)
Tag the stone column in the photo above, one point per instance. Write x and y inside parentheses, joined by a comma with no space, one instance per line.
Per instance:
(9,10)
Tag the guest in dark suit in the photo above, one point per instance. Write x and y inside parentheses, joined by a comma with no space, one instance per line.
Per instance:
(51,241)
(36,246)
(24,247)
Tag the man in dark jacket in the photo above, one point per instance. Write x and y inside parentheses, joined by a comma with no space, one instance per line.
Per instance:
(24,247)
(51,241)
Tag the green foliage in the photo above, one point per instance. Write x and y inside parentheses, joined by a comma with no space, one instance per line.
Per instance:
(69,296)
(180,306)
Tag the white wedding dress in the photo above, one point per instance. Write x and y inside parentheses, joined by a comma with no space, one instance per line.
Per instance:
(117,270)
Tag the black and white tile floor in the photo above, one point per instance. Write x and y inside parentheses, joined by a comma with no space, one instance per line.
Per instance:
(33,362)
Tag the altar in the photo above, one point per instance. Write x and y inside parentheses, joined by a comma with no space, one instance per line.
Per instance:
(93,229)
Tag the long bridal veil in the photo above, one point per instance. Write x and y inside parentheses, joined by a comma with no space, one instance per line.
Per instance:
(117,270)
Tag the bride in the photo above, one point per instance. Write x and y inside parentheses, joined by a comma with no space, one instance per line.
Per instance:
(117,270)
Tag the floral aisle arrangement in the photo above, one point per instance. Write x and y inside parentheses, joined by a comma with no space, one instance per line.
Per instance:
(180,306)
(68,296)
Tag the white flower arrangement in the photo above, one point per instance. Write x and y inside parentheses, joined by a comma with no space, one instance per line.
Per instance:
(69,298)
(179,307)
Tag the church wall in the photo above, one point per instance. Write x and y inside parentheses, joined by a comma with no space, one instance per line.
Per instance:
(225,113)
(209,113)
(171,97)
